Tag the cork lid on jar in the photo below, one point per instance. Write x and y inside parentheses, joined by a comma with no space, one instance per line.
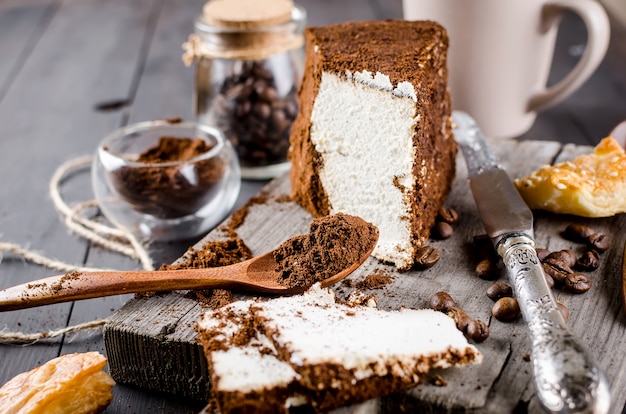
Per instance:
(247,13)
(246,29)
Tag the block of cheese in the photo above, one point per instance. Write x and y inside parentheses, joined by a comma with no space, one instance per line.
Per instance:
(373,135)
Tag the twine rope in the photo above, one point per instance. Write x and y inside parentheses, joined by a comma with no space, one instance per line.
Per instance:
(20,338)
(112,238)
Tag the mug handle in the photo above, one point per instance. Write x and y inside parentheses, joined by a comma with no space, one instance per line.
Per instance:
(598,34)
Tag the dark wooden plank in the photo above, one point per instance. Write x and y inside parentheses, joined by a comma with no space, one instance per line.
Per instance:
(86,55)
(21,25)
(166,87)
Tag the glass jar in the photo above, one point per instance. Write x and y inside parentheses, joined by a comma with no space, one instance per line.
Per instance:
(164,180)
(249,59)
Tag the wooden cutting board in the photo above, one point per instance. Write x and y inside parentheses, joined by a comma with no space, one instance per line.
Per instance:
(151,342)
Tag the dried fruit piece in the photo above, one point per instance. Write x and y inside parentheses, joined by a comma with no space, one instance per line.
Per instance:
(72,383)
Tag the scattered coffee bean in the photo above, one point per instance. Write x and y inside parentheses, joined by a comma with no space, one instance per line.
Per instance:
(441,301)
(426,257)
(474,329)
(578,232)
(549,280)
(577,283)
(486,269)
(499,290)
(558,275)
(564,311)
(599,242)
(449,215)
(506,309)
(590,260)
(477,330)
(442,230)
(559,265)
(542,253)
(461,318)
(566,257)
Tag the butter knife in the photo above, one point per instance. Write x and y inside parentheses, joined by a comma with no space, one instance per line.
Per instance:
(566,378)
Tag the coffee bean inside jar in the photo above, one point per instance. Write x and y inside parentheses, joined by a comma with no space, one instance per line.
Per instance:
(252,111)
(249,62)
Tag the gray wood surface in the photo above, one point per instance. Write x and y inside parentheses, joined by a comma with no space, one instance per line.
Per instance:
(60,59)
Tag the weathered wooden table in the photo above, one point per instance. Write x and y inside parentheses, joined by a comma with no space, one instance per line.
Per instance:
(61,60)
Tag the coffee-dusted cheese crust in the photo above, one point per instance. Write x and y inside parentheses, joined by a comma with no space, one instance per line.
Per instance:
(268,356)
(373,136)
(592,185)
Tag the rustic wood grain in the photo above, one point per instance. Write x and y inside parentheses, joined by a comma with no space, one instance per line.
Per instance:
(163,325)
(39,132)
(19,29)
(60,59)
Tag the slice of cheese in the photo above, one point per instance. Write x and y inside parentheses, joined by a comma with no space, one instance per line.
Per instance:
(268,356)
(592,185)
(73,383)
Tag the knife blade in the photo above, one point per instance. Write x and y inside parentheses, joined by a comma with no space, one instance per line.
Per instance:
(565,376)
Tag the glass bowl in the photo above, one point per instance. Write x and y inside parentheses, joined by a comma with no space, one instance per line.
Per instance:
(166,180)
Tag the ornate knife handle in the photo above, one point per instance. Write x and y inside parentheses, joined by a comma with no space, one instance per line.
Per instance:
(565,376)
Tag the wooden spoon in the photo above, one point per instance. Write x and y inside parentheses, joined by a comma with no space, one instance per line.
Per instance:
(258,274)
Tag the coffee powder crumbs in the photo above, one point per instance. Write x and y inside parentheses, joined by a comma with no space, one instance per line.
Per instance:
(56,287)
(374,281)
(170,191)
(213,254)
(213,299)
(332,245)
(284,198)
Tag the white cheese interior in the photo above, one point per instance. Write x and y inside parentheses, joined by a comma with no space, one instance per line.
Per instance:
(314,329)
(247,369)
(253,367)
(366,340)
(363,129)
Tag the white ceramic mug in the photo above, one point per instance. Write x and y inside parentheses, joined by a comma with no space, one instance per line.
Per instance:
(500,55)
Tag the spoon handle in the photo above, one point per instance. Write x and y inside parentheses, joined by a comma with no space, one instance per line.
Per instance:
(85,285)
(566,378)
